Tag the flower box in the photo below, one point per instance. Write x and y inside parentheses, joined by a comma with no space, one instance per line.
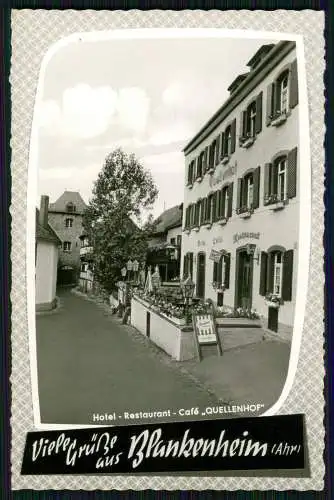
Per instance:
(199,179)
(225,159)
(247,142)
(222,221)
(208,225)
(279,119)
(210,170)
(277,205)
(246,214)
(196,229)
(270,303)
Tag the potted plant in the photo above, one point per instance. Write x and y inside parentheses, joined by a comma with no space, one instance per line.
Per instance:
(272,300)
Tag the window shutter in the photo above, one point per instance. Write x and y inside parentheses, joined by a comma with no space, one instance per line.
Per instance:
(242,126)
(221,145)
(190,264)
(293,97)
(214,207)
(263,273)
(239,193)
(233,132)
(227,270)
(215,271)
(270,100)
(204,161)
(292,173)
(270,273)
(258,118)
(287,275)
(266,189)
(219,204)
(184,265)
(230,200)
(217,158)
(256,181)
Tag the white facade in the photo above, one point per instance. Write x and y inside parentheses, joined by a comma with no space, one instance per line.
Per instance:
(260,247)
(46,274)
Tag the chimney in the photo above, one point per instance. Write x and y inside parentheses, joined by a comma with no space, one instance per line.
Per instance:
(44,211)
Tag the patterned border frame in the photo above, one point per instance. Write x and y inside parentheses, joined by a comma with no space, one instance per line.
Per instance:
(33,32)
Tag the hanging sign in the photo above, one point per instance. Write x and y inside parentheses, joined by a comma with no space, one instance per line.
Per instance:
(205,332)
(215,255)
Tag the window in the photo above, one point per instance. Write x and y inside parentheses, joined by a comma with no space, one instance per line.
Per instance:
(84,267)
(282,95)
(67,246)
(225,202)
(68,222)
(200,165)
(188,265)
(228,140)
(248,191)
(203,210)
(221,271)
(172,241)
(197,213)
(209,209)
(276,273)
(251,122)
(191,172)
(280,178)
(70,207)
(277,284)
(178,240)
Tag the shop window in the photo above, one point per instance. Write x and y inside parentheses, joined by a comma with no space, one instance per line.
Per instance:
(280,178)
(276,273)
(248,192)
(67,246)
(68,222)
(251,122)
(221,271)
(282,95)
(188,261)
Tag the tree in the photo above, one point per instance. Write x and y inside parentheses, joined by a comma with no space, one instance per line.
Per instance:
(122,191)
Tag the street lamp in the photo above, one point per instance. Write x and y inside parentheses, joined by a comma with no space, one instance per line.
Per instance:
(187,288)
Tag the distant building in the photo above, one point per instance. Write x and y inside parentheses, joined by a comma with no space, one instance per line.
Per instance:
(65,216)
(165,244)
(47,245)
(86,280)
(241,202)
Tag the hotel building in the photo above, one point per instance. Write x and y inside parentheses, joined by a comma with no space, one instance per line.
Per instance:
(241,202)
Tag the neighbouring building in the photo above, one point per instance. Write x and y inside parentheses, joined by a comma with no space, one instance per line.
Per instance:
(46,254)
(241,202)
(65,216)
(86,280)
(165,244)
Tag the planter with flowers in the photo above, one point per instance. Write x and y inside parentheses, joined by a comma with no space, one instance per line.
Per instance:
(278,118)
(272,300)
(247,140)
(237,317)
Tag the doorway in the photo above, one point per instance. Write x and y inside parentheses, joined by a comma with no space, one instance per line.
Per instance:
(200,288)
(244,279)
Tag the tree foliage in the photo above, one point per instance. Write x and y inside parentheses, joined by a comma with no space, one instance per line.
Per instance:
(121,192)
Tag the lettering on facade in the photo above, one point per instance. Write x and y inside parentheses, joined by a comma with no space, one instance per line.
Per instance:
(241,236)
(217,240)
(200,243)
(223,174)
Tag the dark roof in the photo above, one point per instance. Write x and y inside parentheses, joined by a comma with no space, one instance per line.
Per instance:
(259,54)
(172,217)
(45,233)
(236,82)
(66,198)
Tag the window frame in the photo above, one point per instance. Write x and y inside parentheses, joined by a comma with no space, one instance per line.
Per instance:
(65,244)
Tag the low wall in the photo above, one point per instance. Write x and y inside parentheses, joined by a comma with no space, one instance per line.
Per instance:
(175,340)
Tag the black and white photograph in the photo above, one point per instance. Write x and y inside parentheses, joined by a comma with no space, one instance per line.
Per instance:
(170,182)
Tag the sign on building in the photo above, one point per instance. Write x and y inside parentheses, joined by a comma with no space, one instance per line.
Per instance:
(205,333)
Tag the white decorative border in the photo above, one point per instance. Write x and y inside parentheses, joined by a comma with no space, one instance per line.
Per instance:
(33,32)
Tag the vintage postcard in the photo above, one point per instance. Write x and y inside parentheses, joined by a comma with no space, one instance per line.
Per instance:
(167,243)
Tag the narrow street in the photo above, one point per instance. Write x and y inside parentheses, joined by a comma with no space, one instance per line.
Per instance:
(88,363)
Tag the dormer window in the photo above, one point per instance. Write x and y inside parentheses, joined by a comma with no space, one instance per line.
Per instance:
(70,207)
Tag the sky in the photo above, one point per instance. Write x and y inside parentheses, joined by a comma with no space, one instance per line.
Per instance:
(149,97)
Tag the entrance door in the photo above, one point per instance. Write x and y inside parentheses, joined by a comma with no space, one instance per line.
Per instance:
(200,291)
(244,284)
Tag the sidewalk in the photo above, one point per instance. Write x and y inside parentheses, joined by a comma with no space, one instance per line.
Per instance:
(252,369)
